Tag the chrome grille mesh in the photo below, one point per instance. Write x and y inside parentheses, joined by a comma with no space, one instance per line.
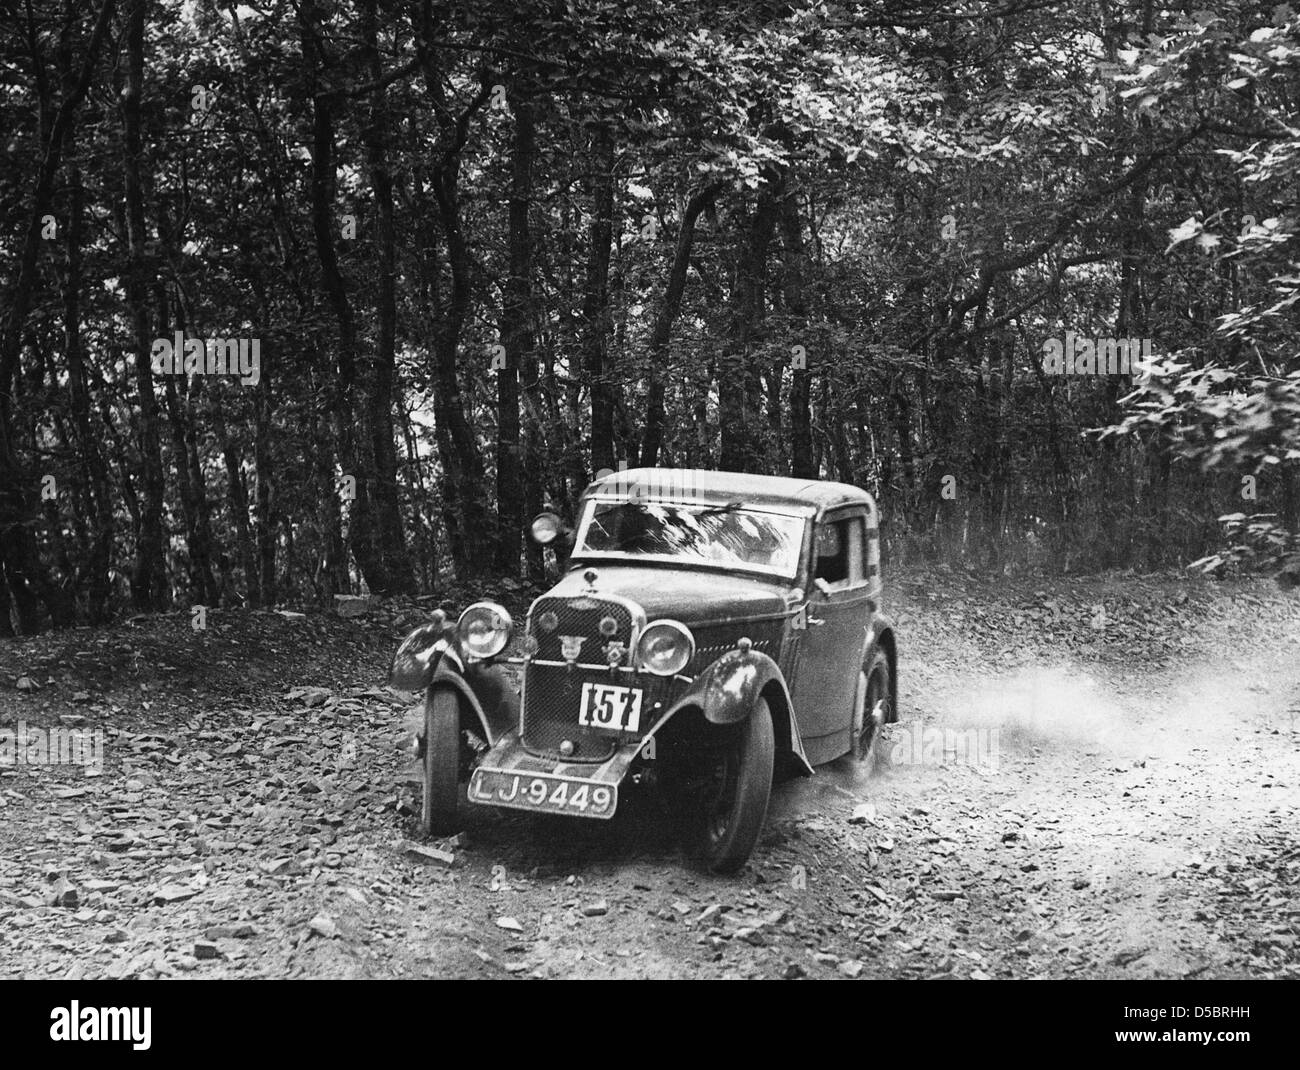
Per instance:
(553,694)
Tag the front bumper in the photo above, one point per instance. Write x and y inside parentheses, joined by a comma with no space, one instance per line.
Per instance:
(512,777)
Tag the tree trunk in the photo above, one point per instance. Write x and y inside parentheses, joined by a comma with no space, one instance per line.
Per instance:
(661,331)
(595,303)
(149,589)
(262,408)
(738,375)
(390,536)
(236,502)
(466,512)
(94,470)
(185,456)
(351,414)
(796,271)
(516,337)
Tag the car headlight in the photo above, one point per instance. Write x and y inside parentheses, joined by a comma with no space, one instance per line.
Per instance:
(546,528)
(484,629)
(665,647)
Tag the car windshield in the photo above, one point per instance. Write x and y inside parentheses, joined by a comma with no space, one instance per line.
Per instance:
(732,536)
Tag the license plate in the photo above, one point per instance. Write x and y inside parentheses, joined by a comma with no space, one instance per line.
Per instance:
(610,706)
(545,792)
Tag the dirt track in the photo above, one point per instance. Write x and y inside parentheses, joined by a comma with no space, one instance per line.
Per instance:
(1118,798)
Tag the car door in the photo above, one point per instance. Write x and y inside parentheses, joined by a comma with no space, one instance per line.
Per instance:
(834,638)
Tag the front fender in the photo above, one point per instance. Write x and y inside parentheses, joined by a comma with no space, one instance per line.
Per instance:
(726,691)
(419,655)
(486,692)
(430,657)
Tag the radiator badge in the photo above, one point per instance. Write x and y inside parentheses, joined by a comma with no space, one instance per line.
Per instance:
(571,646)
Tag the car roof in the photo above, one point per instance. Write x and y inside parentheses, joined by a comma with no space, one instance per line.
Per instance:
(722,487)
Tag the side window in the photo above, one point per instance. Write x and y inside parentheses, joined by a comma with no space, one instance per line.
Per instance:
(871,549)
(841,553)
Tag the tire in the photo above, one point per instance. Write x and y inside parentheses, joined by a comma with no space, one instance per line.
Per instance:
(442,743)
(725,818)
(879,689)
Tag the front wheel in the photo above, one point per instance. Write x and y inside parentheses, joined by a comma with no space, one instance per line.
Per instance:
(724,821)
(442,739)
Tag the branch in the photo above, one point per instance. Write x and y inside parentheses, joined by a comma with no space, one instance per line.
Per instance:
(1065,221)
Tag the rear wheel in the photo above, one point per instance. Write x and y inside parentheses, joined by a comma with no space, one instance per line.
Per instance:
(876,706)
(442,741)
(725,817)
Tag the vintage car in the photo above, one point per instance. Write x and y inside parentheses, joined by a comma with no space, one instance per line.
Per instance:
(713,632)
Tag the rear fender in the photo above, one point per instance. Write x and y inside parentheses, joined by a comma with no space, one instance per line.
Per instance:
(881,634)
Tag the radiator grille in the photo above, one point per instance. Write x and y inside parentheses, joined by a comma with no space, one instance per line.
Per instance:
(581,617)
(553,694)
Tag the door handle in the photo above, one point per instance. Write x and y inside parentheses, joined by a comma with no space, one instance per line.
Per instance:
(813,622)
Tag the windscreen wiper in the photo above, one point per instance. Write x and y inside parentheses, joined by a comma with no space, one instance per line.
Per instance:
(716,510)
